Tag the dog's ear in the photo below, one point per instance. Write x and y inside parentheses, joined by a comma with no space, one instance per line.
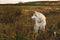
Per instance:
(35,11)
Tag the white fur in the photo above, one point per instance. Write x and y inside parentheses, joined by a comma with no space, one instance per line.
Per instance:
(40,21)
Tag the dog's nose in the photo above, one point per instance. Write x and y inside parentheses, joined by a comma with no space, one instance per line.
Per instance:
(33,17)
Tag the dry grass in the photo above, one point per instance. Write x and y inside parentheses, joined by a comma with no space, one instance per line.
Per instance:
(16,22)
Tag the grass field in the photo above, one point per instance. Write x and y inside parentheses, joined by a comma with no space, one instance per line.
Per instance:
(16,22)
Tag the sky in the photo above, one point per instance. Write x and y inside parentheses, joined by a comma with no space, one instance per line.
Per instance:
(16,1)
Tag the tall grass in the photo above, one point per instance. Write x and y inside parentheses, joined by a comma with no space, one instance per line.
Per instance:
(16,22)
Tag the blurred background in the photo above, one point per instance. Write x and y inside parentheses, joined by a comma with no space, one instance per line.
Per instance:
(16,22)
(23,1)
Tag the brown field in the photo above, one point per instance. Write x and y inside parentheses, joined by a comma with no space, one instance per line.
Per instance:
(16,22)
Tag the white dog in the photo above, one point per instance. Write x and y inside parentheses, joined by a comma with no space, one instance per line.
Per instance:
(40,21)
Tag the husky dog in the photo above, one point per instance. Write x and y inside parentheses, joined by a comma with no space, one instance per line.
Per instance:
(40,21)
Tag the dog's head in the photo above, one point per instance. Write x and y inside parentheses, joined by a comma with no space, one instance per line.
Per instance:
(36,15)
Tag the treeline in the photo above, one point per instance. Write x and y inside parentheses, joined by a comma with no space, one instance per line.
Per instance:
(47,3)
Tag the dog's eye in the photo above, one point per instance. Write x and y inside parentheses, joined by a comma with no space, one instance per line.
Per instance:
(36,15)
